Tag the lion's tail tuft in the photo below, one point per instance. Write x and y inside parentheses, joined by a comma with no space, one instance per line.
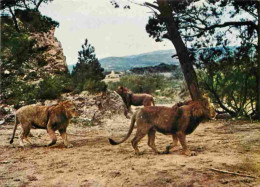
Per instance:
(15,127)
(112,142)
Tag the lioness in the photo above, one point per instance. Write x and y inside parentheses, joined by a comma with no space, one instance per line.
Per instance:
(52,118)
(130,98)
(177,121)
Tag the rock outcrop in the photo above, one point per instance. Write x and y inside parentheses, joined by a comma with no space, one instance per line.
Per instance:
(54,61)
(93,109)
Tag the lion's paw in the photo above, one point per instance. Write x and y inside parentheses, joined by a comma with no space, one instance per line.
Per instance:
(139,153)
(193,153)
(189,153)
(69,146)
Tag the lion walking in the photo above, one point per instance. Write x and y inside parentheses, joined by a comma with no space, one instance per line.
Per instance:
(51,118)
(177,121)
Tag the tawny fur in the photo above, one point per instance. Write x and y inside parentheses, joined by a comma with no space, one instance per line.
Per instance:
(177,121)
(51,118)
(130,98)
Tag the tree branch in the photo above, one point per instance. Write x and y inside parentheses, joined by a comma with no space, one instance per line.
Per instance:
(14,19)
(151,5)
(232,173)
(25,5)
(219,101)
(38,5)
(231,23)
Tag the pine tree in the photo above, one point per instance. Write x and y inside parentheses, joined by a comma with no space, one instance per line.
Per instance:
(88,73)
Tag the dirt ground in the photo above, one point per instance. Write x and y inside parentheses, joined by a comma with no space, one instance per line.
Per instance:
(232,146)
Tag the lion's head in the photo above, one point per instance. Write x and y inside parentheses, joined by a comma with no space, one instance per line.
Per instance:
(70,109)
(123,91)
(203,108)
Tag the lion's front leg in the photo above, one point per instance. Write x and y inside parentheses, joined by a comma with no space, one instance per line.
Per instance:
(65,138)
(185,150)
(52,135)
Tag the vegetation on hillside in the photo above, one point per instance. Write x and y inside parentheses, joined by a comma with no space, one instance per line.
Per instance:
(87,73)
(154,84)
(161,68)
(19,56)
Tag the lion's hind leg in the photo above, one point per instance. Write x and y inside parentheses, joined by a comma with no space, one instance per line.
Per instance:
(173,147)
(28,140)
(21,139)
(138,136)
(151,141)
(25,132)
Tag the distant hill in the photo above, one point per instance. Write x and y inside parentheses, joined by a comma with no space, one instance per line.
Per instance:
(141,60)
(146,59)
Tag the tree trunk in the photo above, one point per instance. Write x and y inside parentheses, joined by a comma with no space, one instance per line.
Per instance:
(258,66)
(187,68)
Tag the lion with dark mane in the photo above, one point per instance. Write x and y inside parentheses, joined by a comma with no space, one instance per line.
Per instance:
(130,98)
(51,118)
(178,121)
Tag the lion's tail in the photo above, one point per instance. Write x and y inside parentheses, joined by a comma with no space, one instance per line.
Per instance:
(112,142)
(15,127)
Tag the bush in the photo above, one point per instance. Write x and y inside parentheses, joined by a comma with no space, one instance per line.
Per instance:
(52,87)
(94,86)
(233,89)
(19,93)
(147,83)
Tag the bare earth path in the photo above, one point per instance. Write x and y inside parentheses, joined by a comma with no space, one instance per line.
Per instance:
(227,145)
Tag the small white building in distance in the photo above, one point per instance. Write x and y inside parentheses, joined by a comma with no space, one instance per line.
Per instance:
(112,75)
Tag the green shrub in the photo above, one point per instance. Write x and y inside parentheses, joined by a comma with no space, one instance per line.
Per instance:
(94,86)
(20,93)
(31,76)
(52,87)
(234,88)
(147,83)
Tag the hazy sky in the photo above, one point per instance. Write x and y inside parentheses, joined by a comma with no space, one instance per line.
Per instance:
(113,32)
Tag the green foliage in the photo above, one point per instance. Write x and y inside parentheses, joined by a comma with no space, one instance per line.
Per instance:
(232,83)
(17,91)
(34,21)
(94,86)
(21,93)
(16,48)
(87,73)
(52,87)
(147,83)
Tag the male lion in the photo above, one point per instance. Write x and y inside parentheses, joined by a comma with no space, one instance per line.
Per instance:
(177,121)
(130,98)
(51,118)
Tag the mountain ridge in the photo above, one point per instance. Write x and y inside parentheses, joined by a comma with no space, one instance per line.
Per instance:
(128,62)
(140,60)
